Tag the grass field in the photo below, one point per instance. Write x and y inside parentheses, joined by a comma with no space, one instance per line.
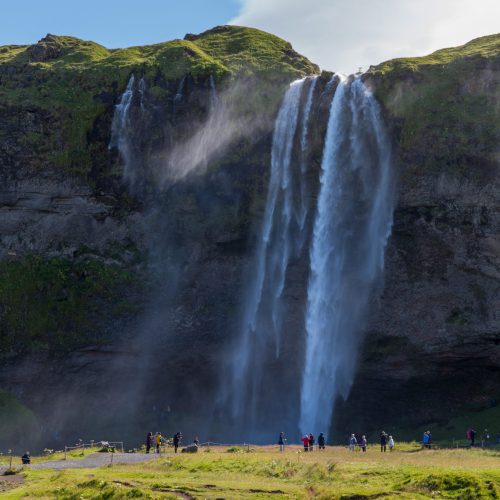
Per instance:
(263,472)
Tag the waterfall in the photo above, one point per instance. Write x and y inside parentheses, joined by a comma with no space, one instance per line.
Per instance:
(352,225)
(301,212)
(214,98)
(119,125)
(179,95)
(121,129)
(262,320)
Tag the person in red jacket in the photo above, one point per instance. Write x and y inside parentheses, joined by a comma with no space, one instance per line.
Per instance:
(305,440)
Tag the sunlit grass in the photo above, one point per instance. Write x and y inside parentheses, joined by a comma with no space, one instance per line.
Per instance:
(409,473)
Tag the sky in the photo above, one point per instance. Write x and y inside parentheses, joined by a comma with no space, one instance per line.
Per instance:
(339,35)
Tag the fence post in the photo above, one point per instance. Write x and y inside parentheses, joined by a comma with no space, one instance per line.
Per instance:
(10,465)
(248,446)
(65,449)
(112,458)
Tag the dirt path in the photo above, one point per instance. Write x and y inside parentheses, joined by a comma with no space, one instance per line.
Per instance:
(94,460)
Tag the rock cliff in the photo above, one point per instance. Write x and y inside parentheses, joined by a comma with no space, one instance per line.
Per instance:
(118,295)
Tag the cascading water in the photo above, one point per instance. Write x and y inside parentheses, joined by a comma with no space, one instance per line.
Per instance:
(262,320)
(124,129)
(301,212)
(120,128)
(352,225)
(214,98)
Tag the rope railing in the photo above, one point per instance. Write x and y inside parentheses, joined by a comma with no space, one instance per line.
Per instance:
(93,444)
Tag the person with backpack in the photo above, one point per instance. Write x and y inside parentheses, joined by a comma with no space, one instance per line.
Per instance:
(321,441)
(158,441)
(177,439)
(149,441)
(305,442)
(352,442)
(383,441)
(26,458)
(281,441)
(311,442)
(364,443)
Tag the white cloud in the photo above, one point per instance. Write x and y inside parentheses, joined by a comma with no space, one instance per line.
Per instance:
(342,35)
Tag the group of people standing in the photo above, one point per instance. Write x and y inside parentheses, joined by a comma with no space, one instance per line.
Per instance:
(485,438)
(158,440)
(308,442)
(362,442)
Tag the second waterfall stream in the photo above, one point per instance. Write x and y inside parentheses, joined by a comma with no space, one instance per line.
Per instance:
(344,247)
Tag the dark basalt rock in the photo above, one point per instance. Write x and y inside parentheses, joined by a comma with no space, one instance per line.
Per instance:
(46,49)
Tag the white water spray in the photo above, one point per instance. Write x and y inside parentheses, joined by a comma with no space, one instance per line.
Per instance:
(262,323)
(352,225)
(302,210)
(121,129)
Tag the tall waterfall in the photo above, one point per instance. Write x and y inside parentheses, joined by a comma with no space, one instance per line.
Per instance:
(262,321)
(301,212)
(351,228)
(123,128)
(120,127)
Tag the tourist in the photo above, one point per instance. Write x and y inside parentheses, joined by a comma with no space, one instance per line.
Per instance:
(158,440)
(472,437)
(486,438)
(321,441)
(352,442)
(305,441)
(391,443)
(311,442)
(26,458)
(281,441)
(426,440)
(364,443)
(149,441)
(177,440)
(383,441)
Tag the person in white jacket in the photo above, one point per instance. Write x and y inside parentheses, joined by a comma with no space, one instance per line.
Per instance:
(391,443)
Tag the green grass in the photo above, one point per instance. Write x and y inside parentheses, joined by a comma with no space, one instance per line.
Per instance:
(453,432)
(67,85)
(445,108)
(486,46)
(265,473)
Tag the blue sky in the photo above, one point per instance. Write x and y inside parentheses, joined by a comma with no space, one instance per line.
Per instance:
(113,23)
(339,35)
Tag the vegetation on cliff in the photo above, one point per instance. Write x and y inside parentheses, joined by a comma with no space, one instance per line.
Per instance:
(53,305)
(445,107)
(75,81)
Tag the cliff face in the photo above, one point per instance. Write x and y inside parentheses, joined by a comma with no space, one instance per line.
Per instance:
(115,291)
(433,345)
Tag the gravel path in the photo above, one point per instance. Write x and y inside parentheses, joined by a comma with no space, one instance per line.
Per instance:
(94,460)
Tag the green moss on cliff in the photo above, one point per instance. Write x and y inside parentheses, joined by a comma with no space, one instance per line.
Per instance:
(75,81)
(250,51)
(55,304)
(445,108)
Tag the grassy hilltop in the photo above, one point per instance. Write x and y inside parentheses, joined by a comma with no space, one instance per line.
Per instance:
(74,81)
(445,106)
